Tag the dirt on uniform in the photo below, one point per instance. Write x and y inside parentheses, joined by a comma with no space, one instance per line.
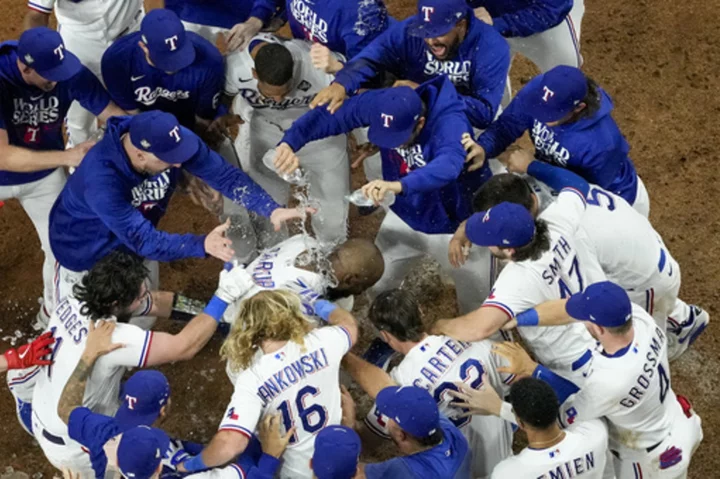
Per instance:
(660,61)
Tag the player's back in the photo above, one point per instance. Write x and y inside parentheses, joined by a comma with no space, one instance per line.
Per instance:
(582,453)
(301,382)
(70,328)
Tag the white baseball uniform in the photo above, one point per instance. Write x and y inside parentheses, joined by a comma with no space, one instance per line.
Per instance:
(299,381)
(70,328)
(88,28)
(581,453)
(563,270)
(653,432)
(435,363)
(324,161)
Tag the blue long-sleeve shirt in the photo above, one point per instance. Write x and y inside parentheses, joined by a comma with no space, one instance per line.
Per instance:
(593,147)
(106,204)
(344,26)
(478,70)
(522,18)
(218,13)
(436,189)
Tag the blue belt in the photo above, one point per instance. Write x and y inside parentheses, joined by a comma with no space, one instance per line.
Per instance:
(582,361)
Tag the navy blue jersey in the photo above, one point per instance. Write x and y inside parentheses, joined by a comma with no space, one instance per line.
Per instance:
(32,117)
(135,84)
(522,18)
(107,205)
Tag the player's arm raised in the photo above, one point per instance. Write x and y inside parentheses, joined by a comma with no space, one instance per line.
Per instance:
(24,160)
(28,355)
(371,378)
(38,15)
(473,326)
(337,316)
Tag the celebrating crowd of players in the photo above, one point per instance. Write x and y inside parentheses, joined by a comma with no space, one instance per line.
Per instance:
(553,243)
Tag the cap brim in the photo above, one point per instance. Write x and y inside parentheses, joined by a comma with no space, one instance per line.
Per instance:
(383,138)
(418,28)
(575,307)
(177,60)
(69,67)
(128,420)
(475,231)
(187,148)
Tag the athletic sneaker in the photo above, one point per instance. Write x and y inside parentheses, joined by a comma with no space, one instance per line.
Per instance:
(683,335)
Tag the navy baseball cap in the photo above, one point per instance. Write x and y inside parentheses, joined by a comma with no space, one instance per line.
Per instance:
(160,133)
(337,452)
(44,51)
(394,117)
(140,451)
(164,35)
(435,18)
(411,407)
(605,304)
(507,225)
(143,396)
(554,94)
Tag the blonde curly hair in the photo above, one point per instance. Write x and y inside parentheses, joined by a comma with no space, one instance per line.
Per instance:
(268,316)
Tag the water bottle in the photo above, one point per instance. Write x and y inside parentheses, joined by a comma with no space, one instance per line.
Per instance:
(295,178)
(242,235)
(358,198)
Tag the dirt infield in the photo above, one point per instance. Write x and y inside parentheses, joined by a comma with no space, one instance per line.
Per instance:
(660,62)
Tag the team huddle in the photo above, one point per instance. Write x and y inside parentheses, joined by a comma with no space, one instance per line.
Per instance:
(549,246)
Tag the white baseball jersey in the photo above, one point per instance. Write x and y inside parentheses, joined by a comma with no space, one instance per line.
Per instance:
(110,16)
(307,82)
(437,362)
(561,271)
(70,328)
(582,453)
(299,381)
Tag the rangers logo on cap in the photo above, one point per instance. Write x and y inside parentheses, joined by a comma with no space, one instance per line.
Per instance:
(29,58)
(145,144)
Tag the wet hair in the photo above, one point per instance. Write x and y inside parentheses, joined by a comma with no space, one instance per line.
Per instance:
(534,402)
(397,312)
(111,285)
(274,64)
(501,188)
(592,100)
(539,244)
(273,315)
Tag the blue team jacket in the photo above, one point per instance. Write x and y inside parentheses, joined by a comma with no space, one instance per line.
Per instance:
(216,13)
(522,18)
(592,147)
(106,204)
(437,191)
(478,70)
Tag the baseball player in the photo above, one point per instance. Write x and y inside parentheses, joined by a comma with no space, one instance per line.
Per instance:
(436,363)
(163,67)
(422,164)
(273,82)
(629,250)
(443,38)
(546,32)
(281,365)
(653,432)
(39,80)
(579,450)
(545,261)
(115,286)
(568,118)
(88,28)
(122,189)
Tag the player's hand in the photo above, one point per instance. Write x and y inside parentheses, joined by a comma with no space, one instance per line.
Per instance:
(347,403)
(70,474)
(218,245)
(459,248)
(483,401)
(377,189)
(475,152)
(286,161)
(323,59)
(483,15)
(512,324)
(176,454)
(234,284)
(333,96)
(521,364)
(517,161)
(72,157)
(409,83)
(361,153)
(273,442)
(240,35)
(31,354)
(281,215)
(99,340)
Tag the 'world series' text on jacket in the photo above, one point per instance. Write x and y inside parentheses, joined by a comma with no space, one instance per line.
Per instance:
(522,18)
(593,147)
(436,189)
(106,204)
(478,69)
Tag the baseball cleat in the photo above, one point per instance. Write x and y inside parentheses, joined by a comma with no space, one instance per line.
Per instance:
(683,335)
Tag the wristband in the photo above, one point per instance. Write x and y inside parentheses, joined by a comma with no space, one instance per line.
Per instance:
(195,464)
(528,318)
(216,308)
(324,308)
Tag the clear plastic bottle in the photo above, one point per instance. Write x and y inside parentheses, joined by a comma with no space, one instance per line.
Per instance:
(295,178)
(242,235)
(358,198)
